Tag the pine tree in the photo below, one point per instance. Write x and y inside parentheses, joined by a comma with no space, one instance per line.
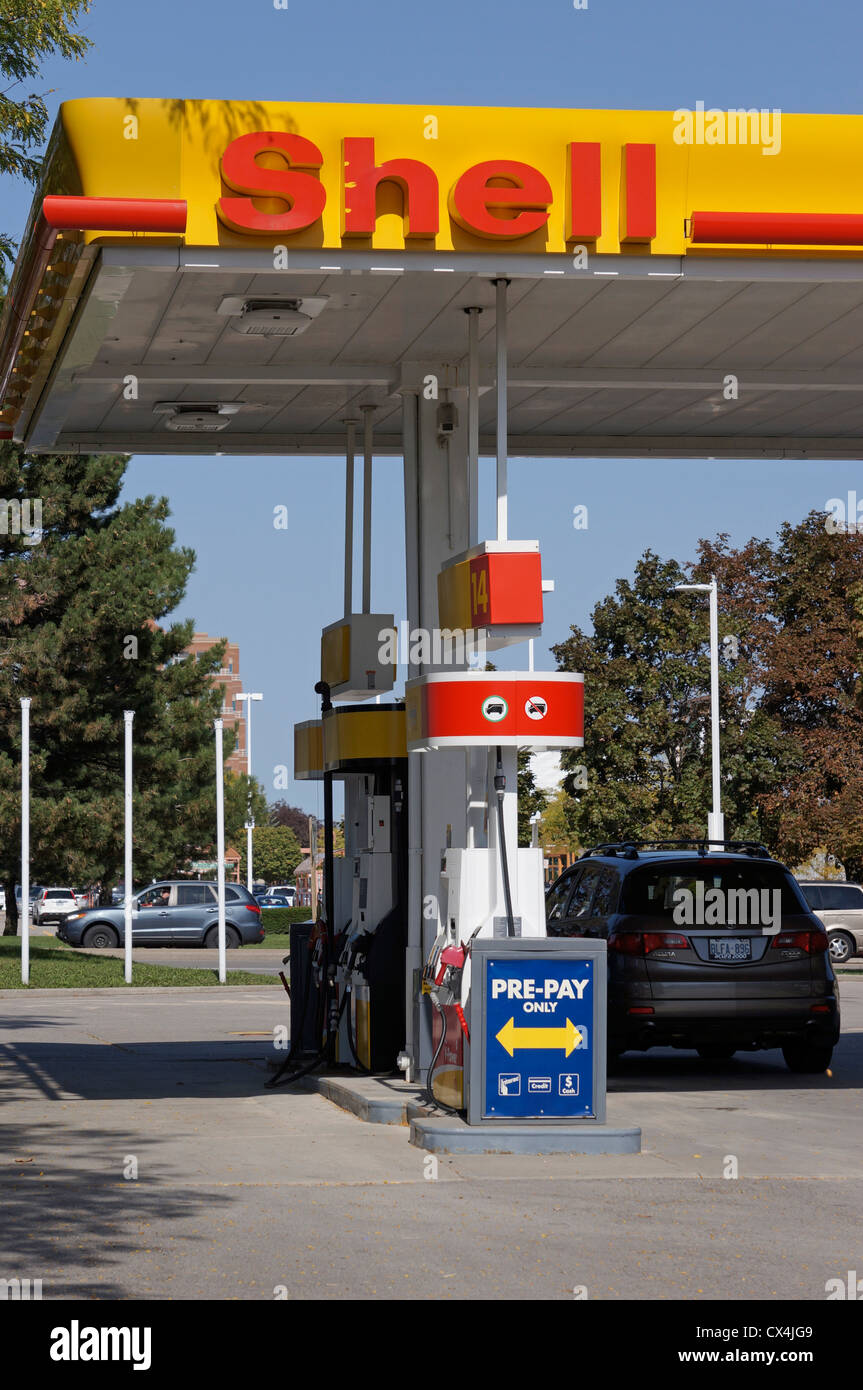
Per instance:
(81,599)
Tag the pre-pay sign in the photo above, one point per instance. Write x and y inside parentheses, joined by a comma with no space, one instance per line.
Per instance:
(538,1027)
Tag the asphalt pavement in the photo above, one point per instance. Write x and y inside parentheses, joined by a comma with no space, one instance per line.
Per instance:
(141,1157)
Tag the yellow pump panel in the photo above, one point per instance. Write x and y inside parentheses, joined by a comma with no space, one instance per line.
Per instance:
(308,750)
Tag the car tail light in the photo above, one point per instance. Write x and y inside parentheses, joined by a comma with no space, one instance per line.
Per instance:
(641,1009)
(662,940)
(253,907)
(821,1008)
(813,942)
(627,943)
(642,943)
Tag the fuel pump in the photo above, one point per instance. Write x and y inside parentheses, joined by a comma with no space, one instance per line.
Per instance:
(364,747)
(371,966)
(492,887)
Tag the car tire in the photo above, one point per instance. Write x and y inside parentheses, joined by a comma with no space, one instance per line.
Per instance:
(806,1059)
(716,1052)
(842,947)
(232,938)
(100,937)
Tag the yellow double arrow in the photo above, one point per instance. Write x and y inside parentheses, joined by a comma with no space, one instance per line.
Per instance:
(511,1037)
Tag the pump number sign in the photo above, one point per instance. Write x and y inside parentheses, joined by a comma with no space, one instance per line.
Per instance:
(538,1037)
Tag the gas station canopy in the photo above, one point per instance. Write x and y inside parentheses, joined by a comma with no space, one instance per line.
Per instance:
(238,277)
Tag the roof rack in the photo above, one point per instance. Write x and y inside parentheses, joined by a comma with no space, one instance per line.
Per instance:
(628,849)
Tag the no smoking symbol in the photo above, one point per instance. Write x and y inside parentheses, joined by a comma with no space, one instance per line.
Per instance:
(536,707)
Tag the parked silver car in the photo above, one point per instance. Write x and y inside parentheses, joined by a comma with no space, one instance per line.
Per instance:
(173,912)
(840,907)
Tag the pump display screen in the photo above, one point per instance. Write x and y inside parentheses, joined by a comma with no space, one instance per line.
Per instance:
(538,1038)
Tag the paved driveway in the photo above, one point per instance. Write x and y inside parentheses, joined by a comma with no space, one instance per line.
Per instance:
(258,961)
(234,1191)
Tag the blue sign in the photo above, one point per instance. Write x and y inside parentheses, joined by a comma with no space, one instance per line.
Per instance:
(538,1037)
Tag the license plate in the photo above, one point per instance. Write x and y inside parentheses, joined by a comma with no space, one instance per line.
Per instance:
(729,948)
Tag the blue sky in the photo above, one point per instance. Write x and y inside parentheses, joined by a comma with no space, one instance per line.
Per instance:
(278,588)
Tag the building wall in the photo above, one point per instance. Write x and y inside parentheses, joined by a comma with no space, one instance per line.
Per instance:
(555,859)
(232,709)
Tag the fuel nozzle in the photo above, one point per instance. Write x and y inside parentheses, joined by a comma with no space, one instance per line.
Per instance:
(499,775)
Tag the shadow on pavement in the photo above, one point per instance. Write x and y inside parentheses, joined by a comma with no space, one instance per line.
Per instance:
(134,1070)
(668,1069)
(93,1218)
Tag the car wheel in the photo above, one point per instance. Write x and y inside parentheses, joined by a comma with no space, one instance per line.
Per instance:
(716,1052)
(100,937)
(805,1059)
(232,938)
(842,947)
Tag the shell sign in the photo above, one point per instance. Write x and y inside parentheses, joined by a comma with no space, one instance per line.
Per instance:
(454,178)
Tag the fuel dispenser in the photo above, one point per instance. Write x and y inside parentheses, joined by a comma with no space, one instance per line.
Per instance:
(364,747)
(371,965)
(492,888)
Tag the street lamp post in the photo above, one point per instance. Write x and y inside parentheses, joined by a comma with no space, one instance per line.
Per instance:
(250,820)
(220,843)
(128,717)
(25,842)
(715,819)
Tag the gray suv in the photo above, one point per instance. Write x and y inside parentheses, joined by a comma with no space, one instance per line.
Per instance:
(840,907)
(717,952)
(170,913)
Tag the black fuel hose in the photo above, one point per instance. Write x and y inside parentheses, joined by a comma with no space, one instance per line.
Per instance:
(322,1055)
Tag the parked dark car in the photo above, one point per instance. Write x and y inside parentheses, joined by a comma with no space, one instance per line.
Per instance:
(718,985)
(170,913)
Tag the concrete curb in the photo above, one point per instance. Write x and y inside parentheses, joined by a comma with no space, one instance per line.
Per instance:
(72,992)
(381,1102)
(375,1102)
(452,1136)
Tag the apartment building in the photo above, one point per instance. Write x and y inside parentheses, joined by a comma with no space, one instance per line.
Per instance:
(232,708)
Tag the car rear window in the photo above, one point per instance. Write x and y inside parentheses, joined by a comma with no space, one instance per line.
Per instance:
(650,891)
(59,893)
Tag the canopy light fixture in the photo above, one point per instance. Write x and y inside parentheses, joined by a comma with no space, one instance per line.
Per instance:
(274,318)
(188,417)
